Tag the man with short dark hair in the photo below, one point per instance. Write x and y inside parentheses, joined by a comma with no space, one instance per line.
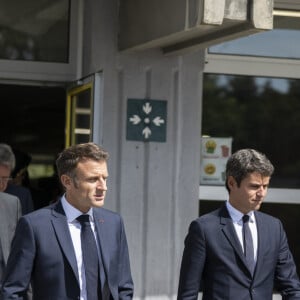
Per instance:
(237,252)
(49,248)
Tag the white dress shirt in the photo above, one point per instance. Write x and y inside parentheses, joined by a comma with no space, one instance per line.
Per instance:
(75,228)
(237,219)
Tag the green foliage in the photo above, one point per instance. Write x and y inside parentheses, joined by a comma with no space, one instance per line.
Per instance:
(256,116)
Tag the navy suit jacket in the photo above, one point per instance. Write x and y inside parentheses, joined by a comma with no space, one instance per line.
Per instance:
(23,194)
(42,251)
(213,261)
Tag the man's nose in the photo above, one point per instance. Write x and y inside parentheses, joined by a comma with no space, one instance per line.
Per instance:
(101,184)
(262,191)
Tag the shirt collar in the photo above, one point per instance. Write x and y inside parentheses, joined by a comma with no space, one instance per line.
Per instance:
(236,215)
(71,212)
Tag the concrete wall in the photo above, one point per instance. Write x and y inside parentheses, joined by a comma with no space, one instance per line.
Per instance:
(153,185)
(178,25)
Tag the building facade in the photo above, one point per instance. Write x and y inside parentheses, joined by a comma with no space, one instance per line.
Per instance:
(133,73)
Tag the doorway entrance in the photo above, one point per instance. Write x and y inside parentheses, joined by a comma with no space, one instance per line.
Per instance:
(33,121)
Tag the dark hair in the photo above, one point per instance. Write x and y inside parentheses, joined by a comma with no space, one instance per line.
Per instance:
(68,159)
(246,161)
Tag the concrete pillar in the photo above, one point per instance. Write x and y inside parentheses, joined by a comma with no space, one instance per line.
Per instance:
(155,185)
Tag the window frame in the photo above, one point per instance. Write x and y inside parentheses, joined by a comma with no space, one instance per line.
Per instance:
(48,71)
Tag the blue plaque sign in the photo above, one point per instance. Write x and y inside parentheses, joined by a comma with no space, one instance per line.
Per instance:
(146,120)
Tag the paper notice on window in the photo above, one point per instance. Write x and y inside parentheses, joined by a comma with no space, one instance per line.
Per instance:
(215,152)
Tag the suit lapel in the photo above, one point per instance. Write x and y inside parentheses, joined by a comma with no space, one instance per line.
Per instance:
(3,236)
(262,243)
(103,238)
(6,232)
(230,233)
(60,225)
(3,233)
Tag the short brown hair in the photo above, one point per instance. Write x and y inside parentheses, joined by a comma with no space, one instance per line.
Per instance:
(69,158)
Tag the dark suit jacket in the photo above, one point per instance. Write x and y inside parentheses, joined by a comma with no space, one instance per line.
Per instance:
(10,212)
(213,256)
(42,250)
(23,194)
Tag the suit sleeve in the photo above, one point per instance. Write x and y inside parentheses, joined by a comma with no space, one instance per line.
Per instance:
(192,264)
(125,287)
(286,278)
(17,277)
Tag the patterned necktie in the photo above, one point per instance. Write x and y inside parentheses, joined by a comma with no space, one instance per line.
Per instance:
(90,258)
(248,244)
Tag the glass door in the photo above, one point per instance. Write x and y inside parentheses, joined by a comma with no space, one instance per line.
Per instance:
(79,121)
(84,111)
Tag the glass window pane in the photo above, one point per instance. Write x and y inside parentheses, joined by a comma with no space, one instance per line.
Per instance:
(81,138)
(257,112)
(282,42)
(83,121)
(84,99)
(34,30)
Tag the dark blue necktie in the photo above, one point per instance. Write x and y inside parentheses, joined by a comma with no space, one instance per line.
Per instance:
(90,258)
(248,244)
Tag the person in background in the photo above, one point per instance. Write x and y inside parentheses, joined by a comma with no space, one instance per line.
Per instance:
(10,212)
(20,170)
(11,167)
(49,246)
(51,186)
(20,177)
(10,207)
(237,252)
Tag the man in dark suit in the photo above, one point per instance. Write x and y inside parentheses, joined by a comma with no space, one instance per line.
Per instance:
(23,194)
(10,212)
(232,257)
(48,249)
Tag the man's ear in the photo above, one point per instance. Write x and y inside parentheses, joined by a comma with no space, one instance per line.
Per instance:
(231,182)
(66,181)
